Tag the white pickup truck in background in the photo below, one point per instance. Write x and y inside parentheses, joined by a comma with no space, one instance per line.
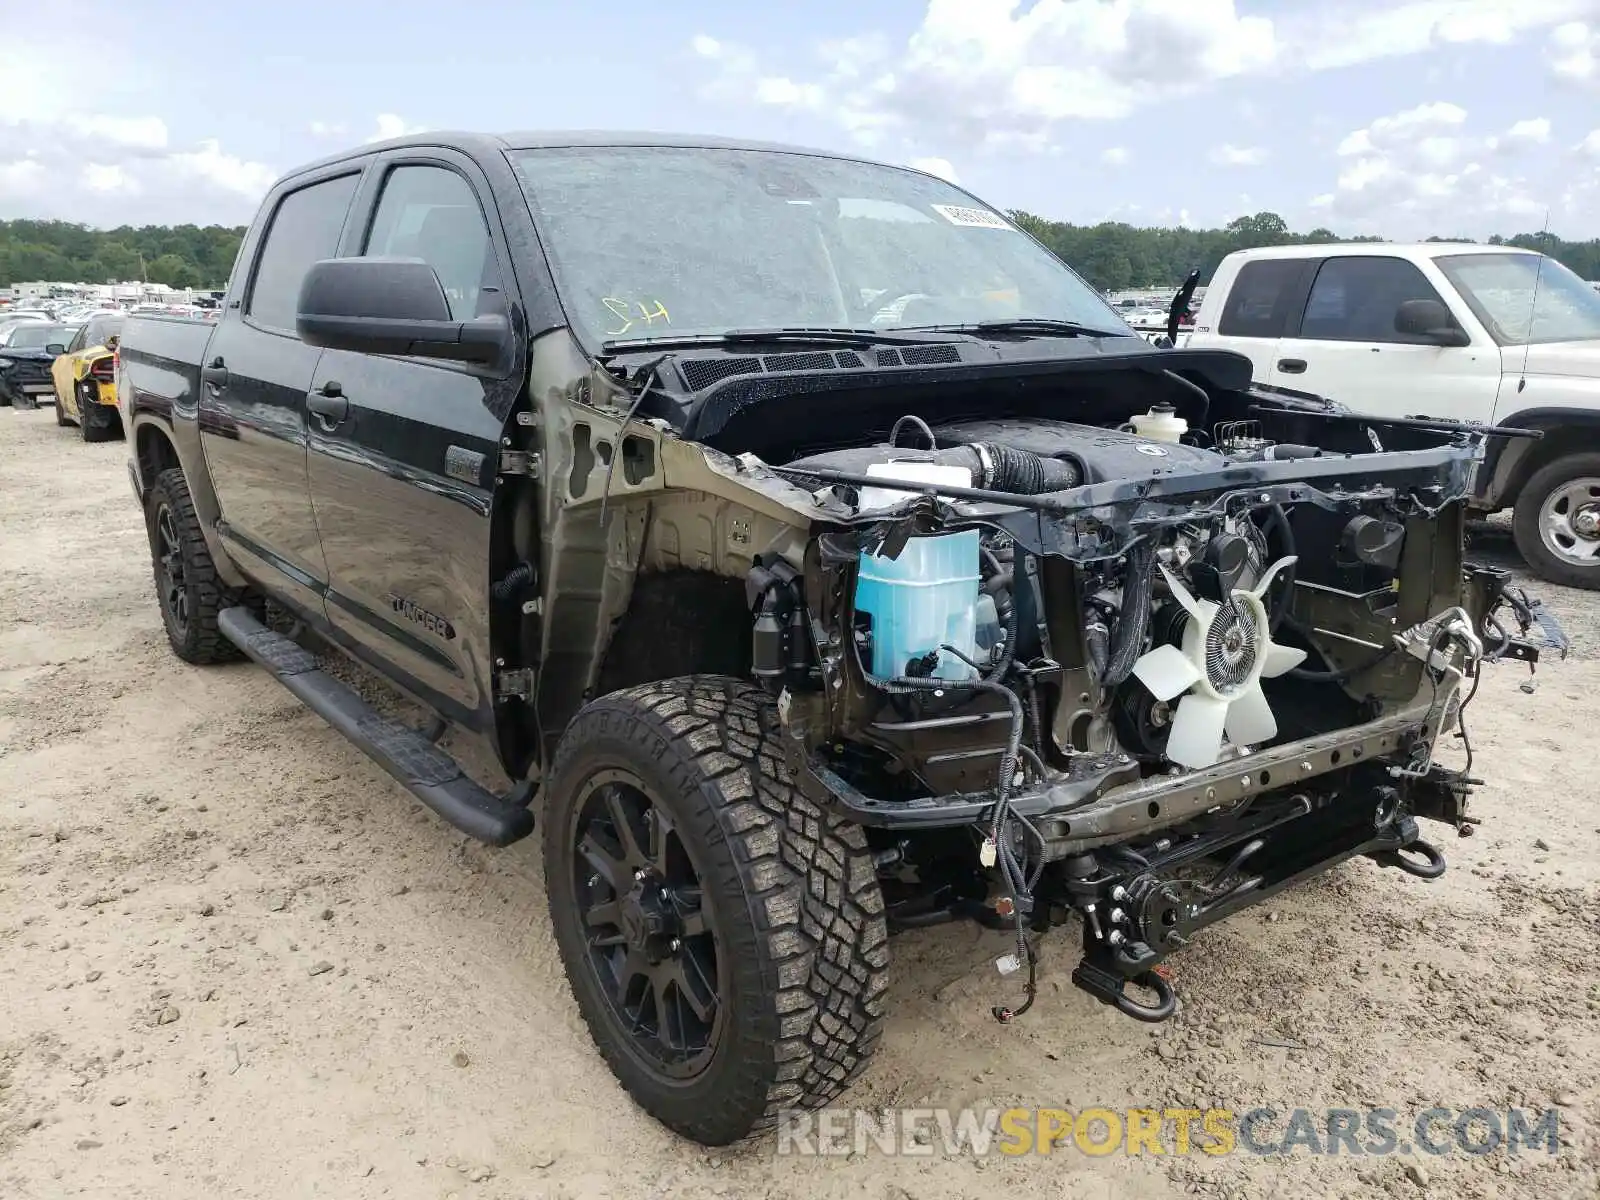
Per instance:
(1488,334)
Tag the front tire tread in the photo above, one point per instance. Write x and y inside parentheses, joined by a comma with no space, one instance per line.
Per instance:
(814,946)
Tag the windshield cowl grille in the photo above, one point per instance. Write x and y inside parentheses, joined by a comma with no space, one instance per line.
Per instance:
(703,372)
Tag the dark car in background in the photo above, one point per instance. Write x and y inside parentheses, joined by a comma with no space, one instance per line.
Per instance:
(26,351)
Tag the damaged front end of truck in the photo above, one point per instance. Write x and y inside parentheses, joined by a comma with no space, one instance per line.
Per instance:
(857,569)
(1059,668)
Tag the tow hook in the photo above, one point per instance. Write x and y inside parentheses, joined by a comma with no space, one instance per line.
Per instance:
(1107,987)
(1432,866)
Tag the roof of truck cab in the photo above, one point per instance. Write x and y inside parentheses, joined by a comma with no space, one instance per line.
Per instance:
(498,143)
(1400,249)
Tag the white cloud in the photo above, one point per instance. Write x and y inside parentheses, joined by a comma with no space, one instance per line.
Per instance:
(133,133)
(113,169)
(1528,133)
(1574,53)
(1004,73)
(1423,168)
(108,159)
(996,73)
(328,128)
(1590,145)
(1405,126)
(786,93)
(1114,156)
(209,164)
(23,179)
(102,177)
(389,125)
(936,166)
(1344,34)
(1238,156)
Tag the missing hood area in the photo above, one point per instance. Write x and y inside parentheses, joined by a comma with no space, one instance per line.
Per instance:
(1060,634)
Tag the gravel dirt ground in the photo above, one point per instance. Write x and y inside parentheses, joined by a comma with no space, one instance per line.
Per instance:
(236,960)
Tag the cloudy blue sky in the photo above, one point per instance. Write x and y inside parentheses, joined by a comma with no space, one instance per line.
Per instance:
(1405,117)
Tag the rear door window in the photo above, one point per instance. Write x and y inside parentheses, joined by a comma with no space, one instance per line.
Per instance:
(1258,303)
(1355,299)
(304,230)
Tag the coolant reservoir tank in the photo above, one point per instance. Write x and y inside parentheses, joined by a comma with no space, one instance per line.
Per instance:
(1162,424)
(927,597)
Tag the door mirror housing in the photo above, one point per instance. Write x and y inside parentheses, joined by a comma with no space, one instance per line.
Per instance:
(391,306)
(55,348)
(1429,320)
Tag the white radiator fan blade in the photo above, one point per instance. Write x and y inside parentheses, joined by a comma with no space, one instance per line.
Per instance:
(1232,704)
(1196,736)
(1280,659)
(1167,672)
(1250,719)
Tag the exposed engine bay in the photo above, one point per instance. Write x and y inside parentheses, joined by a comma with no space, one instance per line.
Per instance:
(1143,672)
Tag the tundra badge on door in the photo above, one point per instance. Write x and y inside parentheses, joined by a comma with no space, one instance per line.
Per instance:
(417,615)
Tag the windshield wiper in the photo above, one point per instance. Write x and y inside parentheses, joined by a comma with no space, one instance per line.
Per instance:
(1042,326)
(854,339)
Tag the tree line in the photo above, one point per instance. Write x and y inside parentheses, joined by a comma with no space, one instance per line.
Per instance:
(1111,255)
(181,256)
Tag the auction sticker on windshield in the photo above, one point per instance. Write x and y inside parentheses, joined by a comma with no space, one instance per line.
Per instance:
(978,218)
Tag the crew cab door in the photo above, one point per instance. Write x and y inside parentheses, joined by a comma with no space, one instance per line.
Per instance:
(1345,345)
(1247,309)
(404,451)
(252,411)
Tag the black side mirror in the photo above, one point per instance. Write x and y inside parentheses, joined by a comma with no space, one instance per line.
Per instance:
(55,348)
(1430,320)
(391,306)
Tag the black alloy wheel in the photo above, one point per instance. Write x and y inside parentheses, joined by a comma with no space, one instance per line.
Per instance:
(724,936)
(189,590)
(652,941)
(171,584)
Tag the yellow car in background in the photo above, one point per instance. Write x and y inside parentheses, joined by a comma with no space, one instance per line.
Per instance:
(85,379)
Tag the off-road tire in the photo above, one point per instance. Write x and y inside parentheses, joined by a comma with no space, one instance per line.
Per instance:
(801,925)
(198,640)
(96,423)
(1527,514)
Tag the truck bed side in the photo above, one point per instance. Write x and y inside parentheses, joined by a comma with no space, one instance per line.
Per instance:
(159,390)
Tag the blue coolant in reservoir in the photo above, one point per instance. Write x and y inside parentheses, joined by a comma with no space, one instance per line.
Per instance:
(928,596)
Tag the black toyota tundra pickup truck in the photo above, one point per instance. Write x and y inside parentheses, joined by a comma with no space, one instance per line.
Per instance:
(822,558)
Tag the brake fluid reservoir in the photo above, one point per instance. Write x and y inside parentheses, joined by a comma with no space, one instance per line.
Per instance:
(1161,424)
(928,596)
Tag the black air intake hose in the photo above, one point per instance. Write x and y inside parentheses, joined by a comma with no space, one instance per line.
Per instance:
(998,468)
(1021,472)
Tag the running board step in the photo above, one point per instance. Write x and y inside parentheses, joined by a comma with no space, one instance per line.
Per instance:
(419,766)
